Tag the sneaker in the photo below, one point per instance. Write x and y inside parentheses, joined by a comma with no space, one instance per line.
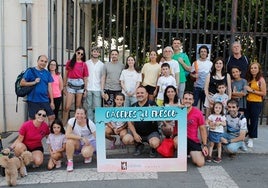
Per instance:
(250,143)
(244,147)
(217,160)
(88,160)
(58,164)
(112,144)
(139,149)
(70,166)
(209,159)
(153,153)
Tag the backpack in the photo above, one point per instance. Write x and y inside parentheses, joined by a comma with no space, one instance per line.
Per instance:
(22,91)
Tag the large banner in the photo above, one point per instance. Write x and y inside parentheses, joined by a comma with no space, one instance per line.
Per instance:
(129,163)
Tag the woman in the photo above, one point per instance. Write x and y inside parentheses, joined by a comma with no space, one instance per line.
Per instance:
(217,75)
(30,137)
(81,137)
(130,81)
(57,85)
(171,99)
(150,73)
(75,81)
(256,91)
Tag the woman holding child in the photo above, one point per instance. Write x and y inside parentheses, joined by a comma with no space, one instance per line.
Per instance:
(81,137)
(217,75)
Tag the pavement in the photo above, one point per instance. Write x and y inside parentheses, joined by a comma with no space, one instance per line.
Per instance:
(87,172)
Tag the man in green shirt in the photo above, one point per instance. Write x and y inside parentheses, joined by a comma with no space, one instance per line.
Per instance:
(184,64)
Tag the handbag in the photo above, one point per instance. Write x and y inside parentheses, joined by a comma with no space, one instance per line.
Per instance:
(166,148)
(75,87)
(194,74)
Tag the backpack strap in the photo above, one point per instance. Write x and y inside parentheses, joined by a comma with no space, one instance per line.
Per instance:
(90,132)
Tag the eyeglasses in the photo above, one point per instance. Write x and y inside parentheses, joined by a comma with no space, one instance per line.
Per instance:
(80,53)
(52,64)
(40,114)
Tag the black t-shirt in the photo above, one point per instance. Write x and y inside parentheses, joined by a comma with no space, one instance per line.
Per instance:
(242,63)
(144,128)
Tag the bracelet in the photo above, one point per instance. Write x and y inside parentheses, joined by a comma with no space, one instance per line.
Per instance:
(205,145)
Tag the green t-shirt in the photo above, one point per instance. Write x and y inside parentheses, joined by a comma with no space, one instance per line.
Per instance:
(183,72)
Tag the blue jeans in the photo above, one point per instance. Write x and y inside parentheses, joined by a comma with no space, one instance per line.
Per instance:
(234,146)
(93,100)
(199,94)
(252,113)
(129,101)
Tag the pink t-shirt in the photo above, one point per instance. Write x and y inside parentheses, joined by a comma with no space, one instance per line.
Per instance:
(79,70)
(194,120)
(33,135)
(56,86)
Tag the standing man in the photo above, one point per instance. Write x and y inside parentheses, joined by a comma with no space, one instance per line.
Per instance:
(237,60)
(184,65)
(144,131)
(236,129)
(195,122)
(39,97)
(95,66)
(110,83)
(201,67)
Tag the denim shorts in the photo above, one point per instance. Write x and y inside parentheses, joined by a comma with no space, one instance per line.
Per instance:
(78,85)
(215,136)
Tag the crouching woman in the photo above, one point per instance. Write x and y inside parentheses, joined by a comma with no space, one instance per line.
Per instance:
(30,137)
(81,137)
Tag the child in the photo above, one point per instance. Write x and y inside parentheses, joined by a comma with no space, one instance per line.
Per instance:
(221,96)
(238,88)
(116,128)
(164,80)
(216,121)
(56,144)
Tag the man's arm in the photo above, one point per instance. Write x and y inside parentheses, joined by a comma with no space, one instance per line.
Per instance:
(203,134)
(136,136)
(241,137)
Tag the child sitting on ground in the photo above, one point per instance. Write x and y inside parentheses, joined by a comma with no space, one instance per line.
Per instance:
(56,144)
(117,128)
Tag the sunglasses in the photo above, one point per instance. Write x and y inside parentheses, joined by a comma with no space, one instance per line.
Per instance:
(40,114)
(80,53)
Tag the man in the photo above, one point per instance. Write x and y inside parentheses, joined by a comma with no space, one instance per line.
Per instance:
(144,131)
(184,65)
(195,122)
(201,67)
(39,97)
(236,129)
(237,59)
(110,83)
(95,66)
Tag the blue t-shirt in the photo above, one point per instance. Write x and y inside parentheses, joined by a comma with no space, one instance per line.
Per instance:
(40,91)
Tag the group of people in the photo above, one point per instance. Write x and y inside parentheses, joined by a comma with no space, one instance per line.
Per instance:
(231,93)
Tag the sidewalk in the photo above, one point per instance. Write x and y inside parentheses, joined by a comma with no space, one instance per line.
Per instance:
(88,172)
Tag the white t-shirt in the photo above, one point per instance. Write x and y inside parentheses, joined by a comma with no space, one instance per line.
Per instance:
(174,67)
(95,74)
(163,82)
(56,141)
(130,79)
(83,131)
(203,70)
(217,118)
